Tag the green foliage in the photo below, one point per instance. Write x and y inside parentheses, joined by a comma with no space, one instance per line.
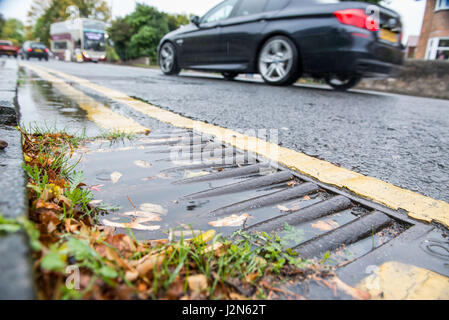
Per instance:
(15,225)
(2,23)
(138,34)
(12,29)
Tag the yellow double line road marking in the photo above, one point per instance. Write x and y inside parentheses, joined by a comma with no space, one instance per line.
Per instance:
(418,206)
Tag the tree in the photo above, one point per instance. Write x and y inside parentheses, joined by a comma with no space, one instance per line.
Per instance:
(13,30)
(138,34)
(46,12)
(2,23)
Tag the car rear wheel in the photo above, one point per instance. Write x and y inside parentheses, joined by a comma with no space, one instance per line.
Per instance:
(342,83)
(278,61)
(167,59)
(229,75)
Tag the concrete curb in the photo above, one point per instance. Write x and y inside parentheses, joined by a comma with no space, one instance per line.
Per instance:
(16,276)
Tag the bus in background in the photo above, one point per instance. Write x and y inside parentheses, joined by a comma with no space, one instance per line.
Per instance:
(79,40)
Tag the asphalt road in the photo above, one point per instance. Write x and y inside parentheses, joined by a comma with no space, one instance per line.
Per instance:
(399,139)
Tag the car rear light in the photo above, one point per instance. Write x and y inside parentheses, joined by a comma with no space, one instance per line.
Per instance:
(29,49)
(46,50)
(357,18)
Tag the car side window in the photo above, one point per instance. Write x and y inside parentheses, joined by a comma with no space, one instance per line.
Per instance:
(274,5)
(221,12)
(249,7)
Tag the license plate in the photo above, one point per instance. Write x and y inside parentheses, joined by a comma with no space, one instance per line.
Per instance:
(388,35)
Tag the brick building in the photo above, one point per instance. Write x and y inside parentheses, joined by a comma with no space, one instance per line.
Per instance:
(434,39)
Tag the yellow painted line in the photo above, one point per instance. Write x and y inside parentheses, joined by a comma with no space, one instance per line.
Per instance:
(96,112)
(418,206)
(398,281)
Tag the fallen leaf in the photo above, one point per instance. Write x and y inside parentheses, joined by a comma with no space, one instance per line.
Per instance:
(306,198)
(236,296)
(187,233)
(96,187)
(192,174)
(115,176)
(66,201)
(95,203)
(197,283)
(231,221)
(130,225)
(151,216)
(142,164)
(283,208)
(163,176)
(353,292)
(325,225)
(151,207)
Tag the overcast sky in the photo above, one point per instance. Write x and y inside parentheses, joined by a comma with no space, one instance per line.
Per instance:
(412,11)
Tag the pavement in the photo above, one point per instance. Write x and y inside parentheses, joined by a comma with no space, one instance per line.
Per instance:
(16,279)
(395,138)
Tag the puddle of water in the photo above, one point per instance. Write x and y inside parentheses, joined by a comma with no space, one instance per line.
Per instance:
(41,104)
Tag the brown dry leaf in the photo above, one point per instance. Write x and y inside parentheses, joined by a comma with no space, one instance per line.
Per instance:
(306,198)
(353,292)
(231,221)
(325,225)
(50,220)
(130,225)
(197,283)
(149,263)
(142,164)
(236,296)
(66,201)
(115,176)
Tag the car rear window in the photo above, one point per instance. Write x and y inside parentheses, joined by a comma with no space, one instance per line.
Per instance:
(249,7)
(38,46)
(274,5)
(5,43)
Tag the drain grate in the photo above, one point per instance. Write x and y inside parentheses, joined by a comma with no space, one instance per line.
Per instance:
(199,181)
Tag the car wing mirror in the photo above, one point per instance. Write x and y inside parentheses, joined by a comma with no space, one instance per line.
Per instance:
(195,20)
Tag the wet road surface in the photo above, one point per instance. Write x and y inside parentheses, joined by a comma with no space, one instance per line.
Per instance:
(399,139)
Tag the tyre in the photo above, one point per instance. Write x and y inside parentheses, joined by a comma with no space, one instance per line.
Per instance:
(28,57)
(229,75)
(278,61)
(167,59)
(342,83)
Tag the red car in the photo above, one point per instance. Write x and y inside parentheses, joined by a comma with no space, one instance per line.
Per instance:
(8,49)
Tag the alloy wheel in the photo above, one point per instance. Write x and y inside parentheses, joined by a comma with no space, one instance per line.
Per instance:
(167,58)
(276,60)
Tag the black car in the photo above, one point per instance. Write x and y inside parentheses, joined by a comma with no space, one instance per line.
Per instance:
(338,41)
(32,49)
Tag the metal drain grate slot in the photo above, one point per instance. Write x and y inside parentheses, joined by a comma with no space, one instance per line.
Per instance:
(315,211)
(270,199)
(244,171)
(346,235)
(255,183)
